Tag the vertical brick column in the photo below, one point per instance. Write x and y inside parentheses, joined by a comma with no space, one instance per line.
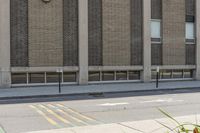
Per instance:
(83,41)
(116,32)
(147,40)
(198,39)
(5,79)
(173,32)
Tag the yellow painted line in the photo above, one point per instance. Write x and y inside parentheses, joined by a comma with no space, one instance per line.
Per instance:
(68,115)
(51,121)
(56,115)
(77,113)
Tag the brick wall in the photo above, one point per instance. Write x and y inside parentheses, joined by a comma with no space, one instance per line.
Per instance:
(136,33)
(19,33)
(116,32)
(70,46)
(45,33)
(173,32)
(95,32)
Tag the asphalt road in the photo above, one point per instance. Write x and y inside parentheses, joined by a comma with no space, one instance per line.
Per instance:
(23,115)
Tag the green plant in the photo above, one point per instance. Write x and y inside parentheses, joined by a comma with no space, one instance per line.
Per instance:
(179,127)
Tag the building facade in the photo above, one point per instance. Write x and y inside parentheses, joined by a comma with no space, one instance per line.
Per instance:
(98,41)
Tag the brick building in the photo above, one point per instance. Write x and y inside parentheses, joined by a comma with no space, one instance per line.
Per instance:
(98,41)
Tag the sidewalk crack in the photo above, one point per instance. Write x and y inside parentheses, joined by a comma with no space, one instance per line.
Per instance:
(131,128)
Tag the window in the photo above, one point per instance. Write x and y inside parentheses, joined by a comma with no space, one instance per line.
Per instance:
(52,77)
(189,30)
(166,74)
(69,77)
(121,75)
(36,78)
(188,73)
(108,76)
(19,78)
(134,75)
(94,76)
(155,29)
(177,73)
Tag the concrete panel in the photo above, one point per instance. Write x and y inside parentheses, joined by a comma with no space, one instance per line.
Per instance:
(83,41)
(5,76)
(70,24)
(136,32)
(45,33)
(116,32)
(173,32)
(19,33)
(197,39)
(146,41)
(95,32)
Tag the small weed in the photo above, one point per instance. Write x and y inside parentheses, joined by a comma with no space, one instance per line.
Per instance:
(179,127)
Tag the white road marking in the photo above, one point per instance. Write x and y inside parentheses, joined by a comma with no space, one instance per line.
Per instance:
(170,100)
(113,104)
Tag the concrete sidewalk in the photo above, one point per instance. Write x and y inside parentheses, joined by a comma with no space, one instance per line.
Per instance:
(46,91)
(145,126)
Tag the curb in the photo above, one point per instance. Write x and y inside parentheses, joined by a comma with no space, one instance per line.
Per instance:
(189,89)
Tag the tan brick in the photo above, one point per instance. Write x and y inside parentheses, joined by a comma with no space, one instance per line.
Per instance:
(116,32)
(173,32)
(45,33)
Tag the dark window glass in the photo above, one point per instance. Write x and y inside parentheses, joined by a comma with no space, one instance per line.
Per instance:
(69,76)
(166,74)
(134,75)
(188,74)
(177,73)
(94,76)
(36,78)
(121,75)
(52,77)
(19,78)
(108,76)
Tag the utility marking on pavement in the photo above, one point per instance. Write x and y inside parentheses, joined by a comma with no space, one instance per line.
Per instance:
(56,115)
(78,114)
(113,104)
(67,115)
(51,121)
(170,100)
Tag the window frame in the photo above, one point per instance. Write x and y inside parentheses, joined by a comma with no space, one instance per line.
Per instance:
(156,39)
(194,36)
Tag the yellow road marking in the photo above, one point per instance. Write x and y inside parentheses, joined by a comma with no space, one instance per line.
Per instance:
(51,121)
(68,115)
(56,115)
(77,113)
